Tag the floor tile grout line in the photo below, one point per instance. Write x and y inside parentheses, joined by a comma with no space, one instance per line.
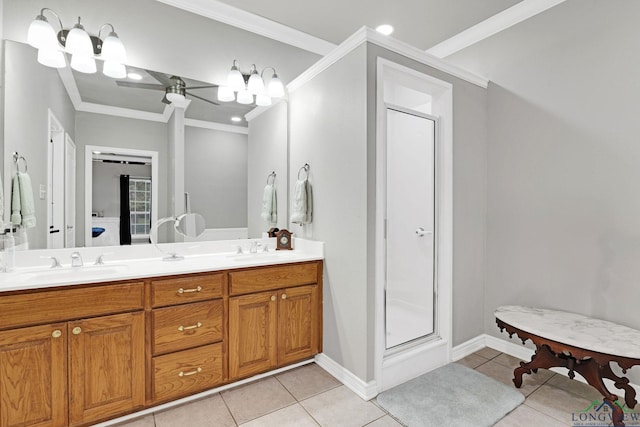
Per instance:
(229,409)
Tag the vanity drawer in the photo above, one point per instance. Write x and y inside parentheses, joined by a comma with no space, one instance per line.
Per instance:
(186,326)
(73,302)
(186,289)
(187,372)
(262,279)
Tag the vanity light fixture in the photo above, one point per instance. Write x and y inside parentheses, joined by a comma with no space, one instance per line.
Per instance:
(246,85)
(83,47)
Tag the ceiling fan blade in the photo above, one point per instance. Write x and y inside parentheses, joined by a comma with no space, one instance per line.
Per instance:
(201,87)
(162,78)
(139,85)
(201,98)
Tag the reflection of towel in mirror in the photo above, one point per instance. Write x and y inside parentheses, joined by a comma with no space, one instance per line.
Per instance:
(22,206)
(302,203)
(270,204)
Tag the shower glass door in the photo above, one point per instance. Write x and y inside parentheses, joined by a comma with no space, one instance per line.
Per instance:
(410,223)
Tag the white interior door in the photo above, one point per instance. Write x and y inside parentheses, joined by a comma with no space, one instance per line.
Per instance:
(55,184)
(70,193)
(410,223)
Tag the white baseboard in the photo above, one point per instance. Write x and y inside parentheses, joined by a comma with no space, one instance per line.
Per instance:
(365,390)
(468,347)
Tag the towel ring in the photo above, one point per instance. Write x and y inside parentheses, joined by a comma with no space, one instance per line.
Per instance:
(16,159)
(271,175)
(304,168)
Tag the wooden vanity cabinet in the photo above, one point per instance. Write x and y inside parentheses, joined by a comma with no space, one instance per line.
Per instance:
(273,328)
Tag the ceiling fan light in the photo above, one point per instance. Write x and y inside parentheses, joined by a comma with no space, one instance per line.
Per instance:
(225,94)
(113,49)
(255,84)
(176,98)
(263,100)
(244,97)
(41,34)
(114,70)
(51,58)
(78,41)
(83,64)
(275,88)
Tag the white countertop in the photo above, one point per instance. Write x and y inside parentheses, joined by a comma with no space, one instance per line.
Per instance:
(122,264)
(574,329)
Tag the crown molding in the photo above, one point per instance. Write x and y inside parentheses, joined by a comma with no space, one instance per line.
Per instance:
(239,18)
(493,25)
(216,126)
(89,107)
(366,34)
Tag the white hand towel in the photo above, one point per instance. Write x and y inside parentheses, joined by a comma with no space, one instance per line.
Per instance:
(270,204)
(16,216)
(22,205)
(302,203)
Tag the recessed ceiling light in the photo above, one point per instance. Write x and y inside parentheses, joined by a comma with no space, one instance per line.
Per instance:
(385,29)
(134,76)
(236,119)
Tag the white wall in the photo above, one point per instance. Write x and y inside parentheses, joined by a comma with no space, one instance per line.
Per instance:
(106,185)
(268,152)
(216,176)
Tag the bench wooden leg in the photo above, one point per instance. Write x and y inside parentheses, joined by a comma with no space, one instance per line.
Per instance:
(543,358)
(623,384)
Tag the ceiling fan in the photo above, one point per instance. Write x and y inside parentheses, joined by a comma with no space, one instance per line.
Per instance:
(174,87)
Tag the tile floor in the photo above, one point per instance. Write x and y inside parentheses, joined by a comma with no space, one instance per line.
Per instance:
(309,396)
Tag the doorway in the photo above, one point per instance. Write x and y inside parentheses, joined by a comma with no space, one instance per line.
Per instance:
(55,184)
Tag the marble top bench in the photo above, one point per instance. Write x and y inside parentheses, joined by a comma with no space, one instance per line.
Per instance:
(578,343)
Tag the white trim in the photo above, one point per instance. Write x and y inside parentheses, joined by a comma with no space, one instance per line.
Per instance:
(239,18)
(69,83)
(108,110)
(88,182)
(198,396)
(490,26)
(466,348)
(216,126)
(364,35)
(366,391)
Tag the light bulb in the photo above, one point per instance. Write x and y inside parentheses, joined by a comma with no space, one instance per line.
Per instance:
(41,34)
(263,100)
(114,70)
(51,58)
(78,41)
(275,88)
(113,49)
(244,97)
(225,94)
(83,64)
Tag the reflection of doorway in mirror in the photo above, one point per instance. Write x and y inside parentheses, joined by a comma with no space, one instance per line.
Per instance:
(55,184)
(70,192)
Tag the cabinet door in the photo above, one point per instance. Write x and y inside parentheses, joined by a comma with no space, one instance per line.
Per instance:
(106,366)
(33,376)
(252,334)
(297,324)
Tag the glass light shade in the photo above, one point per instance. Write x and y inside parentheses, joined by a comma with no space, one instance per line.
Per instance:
(176,98)
(41,34)
(113,49)
(263,100)
(275,88)
(235,80)
(114,70)
(51,58)
(225,94)
(78,42)
(83,64)
(244,97)
(255,84)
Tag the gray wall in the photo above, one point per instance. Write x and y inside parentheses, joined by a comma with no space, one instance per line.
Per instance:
(30,90)
(215,176)
(106,185)
(111,131)
(563,155)
(267,153)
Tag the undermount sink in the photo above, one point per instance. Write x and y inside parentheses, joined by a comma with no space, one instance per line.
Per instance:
(260,256)
(73,273)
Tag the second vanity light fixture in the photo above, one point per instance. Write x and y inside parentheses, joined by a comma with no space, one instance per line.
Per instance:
(82,46)
(248,85)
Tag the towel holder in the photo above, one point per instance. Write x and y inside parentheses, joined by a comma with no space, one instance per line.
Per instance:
(271,175)
(304,168)
(16,159)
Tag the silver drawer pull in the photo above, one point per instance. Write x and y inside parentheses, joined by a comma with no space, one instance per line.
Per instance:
(186,374)
(186,328)
(188,291)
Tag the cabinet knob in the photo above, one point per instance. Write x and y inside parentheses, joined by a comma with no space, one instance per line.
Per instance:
(284,296)
(57,333)
(273,297)
(76,330)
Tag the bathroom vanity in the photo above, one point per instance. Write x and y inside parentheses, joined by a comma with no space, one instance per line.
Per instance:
(79,353)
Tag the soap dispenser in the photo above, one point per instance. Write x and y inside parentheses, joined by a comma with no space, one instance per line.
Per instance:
(8,249)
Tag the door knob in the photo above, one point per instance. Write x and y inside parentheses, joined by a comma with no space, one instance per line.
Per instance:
(420,232)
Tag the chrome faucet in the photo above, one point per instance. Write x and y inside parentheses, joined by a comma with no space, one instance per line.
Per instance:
(254,247)
(76,259)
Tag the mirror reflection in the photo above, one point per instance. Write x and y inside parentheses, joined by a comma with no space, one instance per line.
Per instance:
(80,133)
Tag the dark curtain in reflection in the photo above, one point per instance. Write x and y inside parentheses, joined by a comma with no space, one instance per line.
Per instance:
(125,213)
